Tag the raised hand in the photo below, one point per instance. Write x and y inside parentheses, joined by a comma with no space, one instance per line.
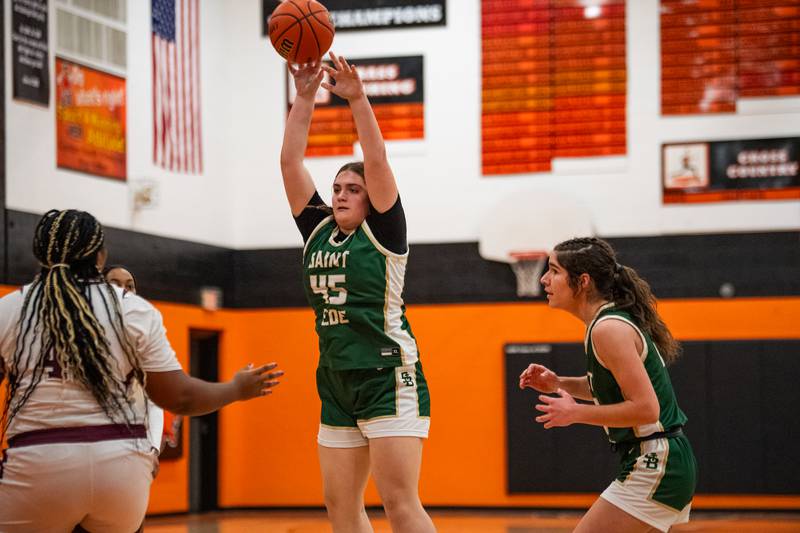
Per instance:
(347,83)
(307,78)
(540,378)
(253,382)
(559,411)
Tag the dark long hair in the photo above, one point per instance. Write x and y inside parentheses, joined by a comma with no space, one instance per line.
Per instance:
(619,284)
(58,312)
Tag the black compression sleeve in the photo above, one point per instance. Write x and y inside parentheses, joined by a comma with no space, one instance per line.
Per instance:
(390,227)
(311,215)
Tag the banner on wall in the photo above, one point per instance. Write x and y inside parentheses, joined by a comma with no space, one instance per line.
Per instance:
(30,51)
(352,15)
(394,86)
(720,171)
(90,120)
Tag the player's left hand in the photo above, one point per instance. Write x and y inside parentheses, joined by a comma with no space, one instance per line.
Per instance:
(559,411)
(347,83)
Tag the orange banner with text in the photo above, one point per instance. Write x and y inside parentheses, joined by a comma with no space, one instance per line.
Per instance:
(90,120)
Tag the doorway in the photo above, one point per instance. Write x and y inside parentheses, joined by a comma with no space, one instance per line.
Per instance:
(203,430)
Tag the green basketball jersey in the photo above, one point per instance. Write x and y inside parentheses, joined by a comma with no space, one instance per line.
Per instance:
(606,390)
(355,287)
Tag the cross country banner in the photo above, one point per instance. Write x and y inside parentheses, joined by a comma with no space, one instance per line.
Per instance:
(723,171)
(90,120)
(353,15)
(395,90)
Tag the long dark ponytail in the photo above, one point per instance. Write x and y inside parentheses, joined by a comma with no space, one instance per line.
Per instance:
(619,284)
(57,311)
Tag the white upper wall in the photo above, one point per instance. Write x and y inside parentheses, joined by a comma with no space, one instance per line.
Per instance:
(239,200)
(192,207)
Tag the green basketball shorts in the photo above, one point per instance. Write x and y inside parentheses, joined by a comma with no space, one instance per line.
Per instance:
(370,403)
(656,482)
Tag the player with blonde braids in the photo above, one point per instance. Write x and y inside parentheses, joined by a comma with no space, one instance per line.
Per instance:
(79,355)
(68,324)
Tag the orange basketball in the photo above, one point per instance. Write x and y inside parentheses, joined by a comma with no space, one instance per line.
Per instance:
(301,30)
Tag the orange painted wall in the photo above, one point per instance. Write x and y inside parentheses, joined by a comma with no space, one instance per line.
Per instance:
(268,447)
(268,455)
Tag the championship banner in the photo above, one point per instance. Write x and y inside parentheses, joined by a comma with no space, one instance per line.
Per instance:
(90,120)
(352,15)
(721,171)
(553,83)
(716,52)
(30,55)
(395,90)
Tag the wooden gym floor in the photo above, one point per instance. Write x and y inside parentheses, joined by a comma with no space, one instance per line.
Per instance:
(456,522)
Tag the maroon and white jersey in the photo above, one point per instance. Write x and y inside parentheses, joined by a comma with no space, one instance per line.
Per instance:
(58,401)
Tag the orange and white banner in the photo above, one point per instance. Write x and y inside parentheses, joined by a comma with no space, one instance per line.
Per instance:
(90,121)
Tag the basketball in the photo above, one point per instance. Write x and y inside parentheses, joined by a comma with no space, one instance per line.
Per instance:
(301,30)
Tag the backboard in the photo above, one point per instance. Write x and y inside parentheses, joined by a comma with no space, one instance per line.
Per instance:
(522,228)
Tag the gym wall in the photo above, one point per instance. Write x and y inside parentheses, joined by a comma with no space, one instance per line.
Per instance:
(238,202)
(267,447)
(231,228)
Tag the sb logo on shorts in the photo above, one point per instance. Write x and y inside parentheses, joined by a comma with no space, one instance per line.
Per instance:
(651,461)
(408,381)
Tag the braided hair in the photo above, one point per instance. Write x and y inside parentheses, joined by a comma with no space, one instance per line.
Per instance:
(619,284)
(57,311)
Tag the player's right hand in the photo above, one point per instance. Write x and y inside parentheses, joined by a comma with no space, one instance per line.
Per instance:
(254,382)
(540,378)
(306,78)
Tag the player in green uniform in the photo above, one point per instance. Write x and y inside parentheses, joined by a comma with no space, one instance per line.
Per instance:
(627,345)
(375,402)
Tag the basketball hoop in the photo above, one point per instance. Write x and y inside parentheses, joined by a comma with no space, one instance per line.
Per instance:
(528,266)
(512,232)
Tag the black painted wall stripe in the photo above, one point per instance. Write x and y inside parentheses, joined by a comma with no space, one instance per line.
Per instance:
(676,266)
(166,269)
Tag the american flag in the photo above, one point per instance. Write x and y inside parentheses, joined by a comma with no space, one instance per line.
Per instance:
(177,143)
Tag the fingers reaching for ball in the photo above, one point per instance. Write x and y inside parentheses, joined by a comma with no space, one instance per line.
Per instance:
(346,81)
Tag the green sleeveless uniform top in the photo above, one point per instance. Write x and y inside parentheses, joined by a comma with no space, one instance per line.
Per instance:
(355,287)
(606,390)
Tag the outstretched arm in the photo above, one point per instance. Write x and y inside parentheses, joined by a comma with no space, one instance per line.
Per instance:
(381,185)
(182,394)
(296,179)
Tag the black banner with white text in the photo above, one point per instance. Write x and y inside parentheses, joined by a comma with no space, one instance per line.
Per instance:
(30,57)
(720,171)
(353,15)
(394,86)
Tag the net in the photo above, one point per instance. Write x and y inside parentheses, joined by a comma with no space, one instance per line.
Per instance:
(528,267)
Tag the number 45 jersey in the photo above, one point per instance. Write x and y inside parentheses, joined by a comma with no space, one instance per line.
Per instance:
(355,287)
